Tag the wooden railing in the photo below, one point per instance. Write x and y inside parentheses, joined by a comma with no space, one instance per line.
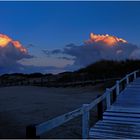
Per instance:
(110,95)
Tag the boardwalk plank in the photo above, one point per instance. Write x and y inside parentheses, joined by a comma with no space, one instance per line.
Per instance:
(111,135)
(116,132)
(122,114)
(118,128)
(122,120)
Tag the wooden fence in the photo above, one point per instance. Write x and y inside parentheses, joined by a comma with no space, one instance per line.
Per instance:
(110,95)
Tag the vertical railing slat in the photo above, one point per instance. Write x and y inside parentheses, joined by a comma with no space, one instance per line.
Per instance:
(85,121)
(135,76)
(117,87)
(127,79)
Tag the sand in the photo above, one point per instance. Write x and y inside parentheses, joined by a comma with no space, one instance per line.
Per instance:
(21,106)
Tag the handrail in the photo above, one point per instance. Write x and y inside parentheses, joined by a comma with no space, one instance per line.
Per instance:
(46,126)
(112,88)
(33,131)
(97,100)
(122,79)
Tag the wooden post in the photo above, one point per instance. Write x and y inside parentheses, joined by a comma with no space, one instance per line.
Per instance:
(117,87)
(31,132)
(100,110)
(85,121)
(108,102)
(127,79)
(135,76)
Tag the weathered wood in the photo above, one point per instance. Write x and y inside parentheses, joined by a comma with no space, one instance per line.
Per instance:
(117,131)
(121,122)
(127,79)
(103,135)
(112,88)
(122,119)
(118,128)
(122,79)
(85,121)
(121,114)
(96,135)
(128,119)
(97,100)
(124,109)
(135,75)
(48,125)
(123,134)
(117,87)
(119,125)
(33,131)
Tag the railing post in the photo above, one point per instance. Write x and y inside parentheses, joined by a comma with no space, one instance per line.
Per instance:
(135,76)
(85,121)
(117,87)
(127,79)
(108,102)
(31,132)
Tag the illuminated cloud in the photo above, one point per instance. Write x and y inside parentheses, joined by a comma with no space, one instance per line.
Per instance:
(11,52)
(105,39)
(98,47)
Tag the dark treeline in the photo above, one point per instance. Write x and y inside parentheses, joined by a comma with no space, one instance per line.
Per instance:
(104,69)
(108,69)
(32,75)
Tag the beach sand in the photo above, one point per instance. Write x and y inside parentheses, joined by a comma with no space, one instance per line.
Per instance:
(21,106)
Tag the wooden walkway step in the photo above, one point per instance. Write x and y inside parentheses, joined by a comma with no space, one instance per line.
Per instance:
(122,120)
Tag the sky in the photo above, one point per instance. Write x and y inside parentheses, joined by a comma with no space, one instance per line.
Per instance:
(45,29)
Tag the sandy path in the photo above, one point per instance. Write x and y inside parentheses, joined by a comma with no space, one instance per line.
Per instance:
(21,106)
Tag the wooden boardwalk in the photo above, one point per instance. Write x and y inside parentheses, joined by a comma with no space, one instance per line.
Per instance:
(122,119)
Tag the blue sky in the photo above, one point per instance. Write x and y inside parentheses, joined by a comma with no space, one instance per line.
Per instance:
(52,25)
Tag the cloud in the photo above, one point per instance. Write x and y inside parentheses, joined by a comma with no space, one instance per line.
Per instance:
(18,68)
(98,47)
(65,58)
(135,54)
(10,53)
(53,52)
(42,69)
